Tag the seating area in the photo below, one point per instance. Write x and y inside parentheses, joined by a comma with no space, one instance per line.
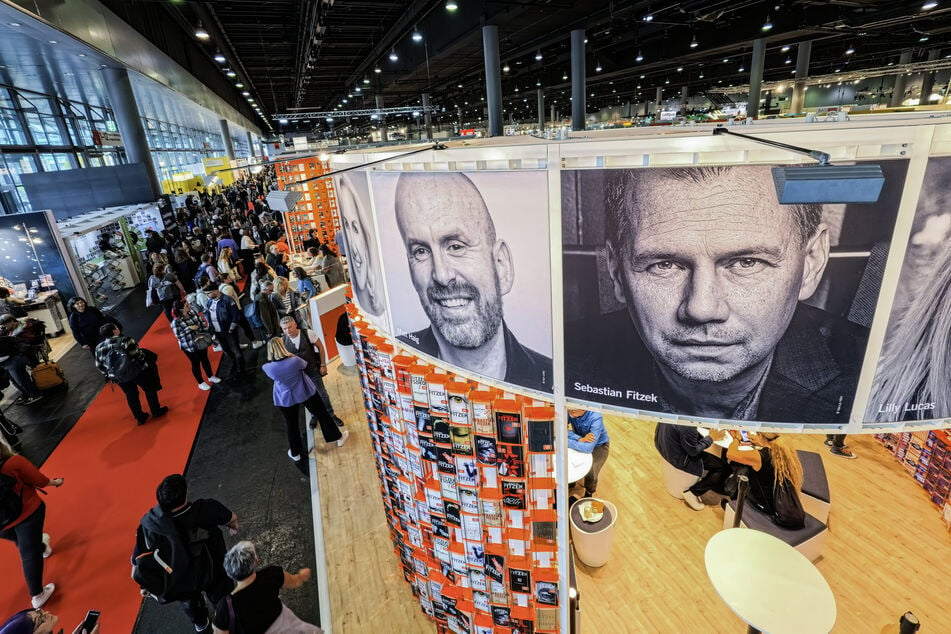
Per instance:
(809,540)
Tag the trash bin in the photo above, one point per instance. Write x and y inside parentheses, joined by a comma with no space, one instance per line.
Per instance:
(593,540)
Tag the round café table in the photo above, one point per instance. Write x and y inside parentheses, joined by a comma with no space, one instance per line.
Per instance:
(770,585)
(579,464)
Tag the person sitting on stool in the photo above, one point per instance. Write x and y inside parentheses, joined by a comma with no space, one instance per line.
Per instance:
(586,433)
(685,449)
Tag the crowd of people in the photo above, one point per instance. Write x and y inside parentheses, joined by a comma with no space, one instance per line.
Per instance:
(223,271)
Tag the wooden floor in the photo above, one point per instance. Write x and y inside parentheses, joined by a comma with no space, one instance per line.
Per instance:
(368,593)
(887,551)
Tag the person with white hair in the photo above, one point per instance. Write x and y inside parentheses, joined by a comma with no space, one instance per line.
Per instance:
(255,606)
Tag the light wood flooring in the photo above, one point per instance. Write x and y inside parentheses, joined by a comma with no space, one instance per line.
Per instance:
(887,550)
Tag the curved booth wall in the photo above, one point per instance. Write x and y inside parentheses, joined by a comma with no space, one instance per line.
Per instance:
(657,274)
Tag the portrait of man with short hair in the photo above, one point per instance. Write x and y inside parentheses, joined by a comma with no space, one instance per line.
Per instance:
(467,267)
(693,291)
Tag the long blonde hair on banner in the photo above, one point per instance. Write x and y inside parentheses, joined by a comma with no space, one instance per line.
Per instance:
(916,358)
(785,461)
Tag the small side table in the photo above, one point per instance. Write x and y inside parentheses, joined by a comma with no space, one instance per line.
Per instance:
(579,464)
(769,584)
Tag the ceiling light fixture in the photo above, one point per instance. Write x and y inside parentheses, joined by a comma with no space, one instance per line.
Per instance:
(417,36)
(201,33)
(785,49)
(648,18)
(538,56)
(742,68)
(506,68)
(377,70)
(239,85)
(220,58)
(767,25)
(366,80)
(849,50)
(231,74)
(928,6)
(640,57)
(393,56)
(693,42)
(597,67)
(451,5)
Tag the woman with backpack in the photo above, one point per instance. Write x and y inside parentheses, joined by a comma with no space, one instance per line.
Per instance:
(194,338)
(22,514)
(163,288)
(775,474)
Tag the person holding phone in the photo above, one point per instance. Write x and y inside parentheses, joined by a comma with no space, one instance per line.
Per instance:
(26,531)
(43,622)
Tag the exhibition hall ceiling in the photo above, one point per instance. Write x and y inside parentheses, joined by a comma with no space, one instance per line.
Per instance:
(323,55)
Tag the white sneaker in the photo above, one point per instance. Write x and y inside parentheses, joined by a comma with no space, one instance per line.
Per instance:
(343,439)
(49,549)
(204,386)
(214,379)
(40,600)
(243,345)
(693,501)
(292,456)
(216,348)
(256,344)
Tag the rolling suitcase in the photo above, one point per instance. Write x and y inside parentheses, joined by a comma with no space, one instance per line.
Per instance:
(49,375)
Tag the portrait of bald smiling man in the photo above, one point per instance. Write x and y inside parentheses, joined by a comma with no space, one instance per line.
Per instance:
(713,272)
(461,270)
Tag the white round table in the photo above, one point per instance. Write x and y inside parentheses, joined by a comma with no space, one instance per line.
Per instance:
(769,584)
(579,464)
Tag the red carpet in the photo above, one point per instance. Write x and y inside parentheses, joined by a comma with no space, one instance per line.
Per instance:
(111,468)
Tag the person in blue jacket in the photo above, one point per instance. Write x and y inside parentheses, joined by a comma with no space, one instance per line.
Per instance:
(586,433)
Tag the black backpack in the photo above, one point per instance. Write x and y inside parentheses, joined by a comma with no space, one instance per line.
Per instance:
(121,367)
(11,502)
(170,571)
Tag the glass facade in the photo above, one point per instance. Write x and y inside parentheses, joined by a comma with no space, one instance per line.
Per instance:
(45,133)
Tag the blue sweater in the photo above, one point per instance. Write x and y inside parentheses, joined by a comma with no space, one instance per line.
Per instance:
(589,422)
(292,386)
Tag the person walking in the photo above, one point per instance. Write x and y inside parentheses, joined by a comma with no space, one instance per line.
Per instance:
(223,317)
(255,606)
(306,344)
(163,288)
(194,338)
(21,478)
(122,361)
(188,535)
(293,388)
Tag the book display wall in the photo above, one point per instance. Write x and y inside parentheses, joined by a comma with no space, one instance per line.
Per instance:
(467,477)
(926,456)
(318,204)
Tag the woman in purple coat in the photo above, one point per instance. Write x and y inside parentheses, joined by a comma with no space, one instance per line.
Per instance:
(293,388)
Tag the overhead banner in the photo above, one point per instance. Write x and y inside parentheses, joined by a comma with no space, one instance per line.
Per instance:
(692,291)
(913,378)
(467,268)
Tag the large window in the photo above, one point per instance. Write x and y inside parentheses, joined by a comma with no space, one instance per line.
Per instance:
(45,133)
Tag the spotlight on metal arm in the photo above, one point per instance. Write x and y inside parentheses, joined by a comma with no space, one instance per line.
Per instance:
(822,183)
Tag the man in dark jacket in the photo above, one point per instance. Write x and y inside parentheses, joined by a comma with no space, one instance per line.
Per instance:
(224,318)
(686,449)
(188,534)
(122,361)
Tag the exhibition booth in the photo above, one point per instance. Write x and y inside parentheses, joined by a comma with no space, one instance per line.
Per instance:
(107,249)
(33,268)
(651,275)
